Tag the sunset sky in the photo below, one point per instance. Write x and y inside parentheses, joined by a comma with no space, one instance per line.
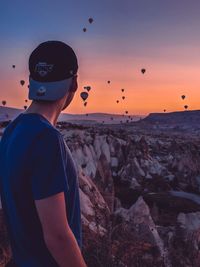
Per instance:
(126,35)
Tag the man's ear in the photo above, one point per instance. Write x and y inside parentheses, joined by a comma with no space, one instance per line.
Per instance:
(74,86)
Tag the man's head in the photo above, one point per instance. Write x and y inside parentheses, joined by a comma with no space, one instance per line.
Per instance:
(53,70)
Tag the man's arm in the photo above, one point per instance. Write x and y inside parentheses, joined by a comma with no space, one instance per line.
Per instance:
(57,234)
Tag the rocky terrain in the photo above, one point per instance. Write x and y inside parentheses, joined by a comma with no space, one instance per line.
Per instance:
(140,195)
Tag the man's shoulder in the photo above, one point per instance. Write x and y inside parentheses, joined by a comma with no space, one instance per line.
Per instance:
(46,144)
(49,133)
(32,127)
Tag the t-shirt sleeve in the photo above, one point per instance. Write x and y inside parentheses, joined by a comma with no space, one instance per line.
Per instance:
(48,173)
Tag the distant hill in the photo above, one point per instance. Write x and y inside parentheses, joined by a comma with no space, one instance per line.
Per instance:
(9,113)
(96,117)
(179,117)
(180,122)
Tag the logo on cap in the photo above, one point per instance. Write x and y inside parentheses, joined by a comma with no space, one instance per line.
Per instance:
(42,68)
(41,91)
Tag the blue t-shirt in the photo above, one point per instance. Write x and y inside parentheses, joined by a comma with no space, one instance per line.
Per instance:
(35,163)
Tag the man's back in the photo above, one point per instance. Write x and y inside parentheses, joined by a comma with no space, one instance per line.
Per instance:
(33,161)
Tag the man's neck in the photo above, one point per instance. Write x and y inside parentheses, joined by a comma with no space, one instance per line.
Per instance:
(48,111)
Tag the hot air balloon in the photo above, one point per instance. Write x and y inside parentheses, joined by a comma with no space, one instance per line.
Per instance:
(86,114)
(127,121)
(108,81)
(122,90)
(28,86)
(164,110)
(143,71)
(3,102)
(123,97)
(84,95)
(126,112)
(26,100)
(85,104)
(25,107)
(183,97)
(186,106)
(13,66)
(22,82)
(84,29)
(117,101)
(90,20)
(88,88)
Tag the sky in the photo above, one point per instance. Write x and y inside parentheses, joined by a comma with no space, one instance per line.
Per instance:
(127,35)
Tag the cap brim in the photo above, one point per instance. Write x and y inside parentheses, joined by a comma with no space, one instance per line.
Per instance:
(48,90)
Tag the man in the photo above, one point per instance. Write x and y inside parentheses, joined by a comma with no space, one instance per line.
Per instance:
(38,179)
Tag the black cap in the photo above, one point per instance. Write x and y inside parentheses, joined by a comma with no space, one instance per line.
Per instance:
(52,61)
(52,65)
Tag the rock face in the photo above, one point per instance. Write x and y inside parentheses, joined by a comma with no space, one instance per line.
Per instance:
(140,196)
(138,230)
(5,251)
(125,166)
(187,237)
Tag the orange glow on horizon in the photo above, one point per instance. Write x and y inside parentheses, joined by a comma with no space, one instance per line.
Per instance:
(159,88)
